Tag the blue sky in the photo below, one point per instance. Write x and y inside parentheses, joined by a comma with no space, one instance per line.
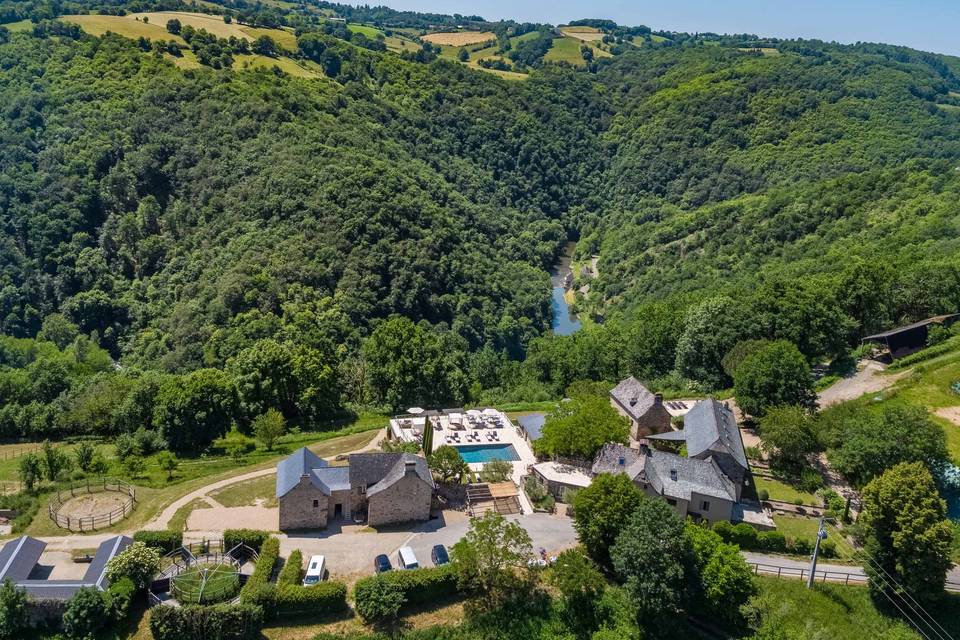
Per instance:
(929,25)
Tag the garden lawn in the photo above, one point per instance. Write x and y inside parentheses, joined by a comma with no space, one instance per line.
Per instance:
(249,493)
(782,491)
(793,527)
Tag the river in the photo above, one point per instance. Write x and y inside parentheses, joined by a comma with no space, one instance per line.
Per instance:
(563,322)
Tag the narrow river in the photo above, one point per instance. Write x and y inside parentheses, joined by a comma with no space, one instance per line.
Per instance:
(563,322)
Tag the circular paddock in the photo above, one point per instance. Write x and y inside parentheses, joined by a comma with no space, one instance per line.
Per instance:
(88,506)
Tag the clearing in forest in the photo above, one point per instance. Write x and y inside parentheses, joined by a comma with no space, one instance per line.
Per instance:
(212,24)
(459,38)
(586,34)
(125,26)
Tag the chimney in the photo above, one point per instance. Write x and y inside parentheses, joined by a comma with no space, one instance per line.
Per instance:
(411,466)
(673,474)
(658,398)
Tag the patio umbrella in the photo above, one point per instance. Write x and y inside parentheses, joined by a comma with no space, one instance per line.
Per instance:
(474,412)
(415,410)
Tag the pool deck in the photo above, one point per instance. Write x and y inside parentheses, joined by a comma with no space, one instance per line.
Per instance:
(451,427)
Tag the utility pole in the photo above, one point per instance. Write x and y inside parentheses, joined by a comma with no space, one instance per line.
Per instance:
(821,534)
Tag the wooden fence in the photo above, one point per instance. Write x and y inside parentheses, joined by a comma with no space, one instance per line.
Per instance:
(10,454)
(836,577)
(97,521)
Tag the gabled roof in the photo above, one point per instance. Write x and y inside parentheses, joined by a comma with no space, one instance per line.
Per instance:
(634,398)
(710,427)
(396,471)
(332,478)
(96,573)
(19,556)
(616,458)
(679,477)
(910,327)
(300,463)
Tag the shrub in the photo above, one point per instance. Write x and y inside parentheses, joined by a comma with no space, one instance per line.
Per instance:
(828,548)
(261,595)
(772,541)
(86,614)
(810,480)
(320,599)
(220,622)
(269,554)
(13,611)
(378,600)
(763,494)
(137,562)
(291,570)
(253,538)
(374,596)
(744,536)
(801,546)
(725,530)
(165,541)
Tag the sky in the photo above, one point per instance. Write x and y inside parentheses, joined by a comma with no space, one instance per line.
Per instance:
(928,25)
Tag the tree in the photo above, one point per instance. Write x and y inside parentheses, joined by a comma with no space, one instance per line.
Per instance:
(134,466)
(867,441)
(602,510)
(264,375)
(908,536)
(58,330)
(174,26)
(268,427)
(492,559)
(496,471)
(788,438)
(580,427)
(54,461)
(710,329)
(86,614)
(652,557)
(772,375)
(99,465)
(581,584)
(191,411)
(84,454)
(138,562)
(725,581)
(30,471)
(13,611)
(448,465)
(463,55)
(167,462)
(265,46)
(378,600)
(427,438)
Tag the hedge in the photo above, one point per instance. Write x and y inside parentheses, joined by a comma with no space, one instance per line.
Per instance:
(749,539)
(290,574)
(165,541)
(253,538)
(324,598)
(219,622)
(419,586)
(269,554)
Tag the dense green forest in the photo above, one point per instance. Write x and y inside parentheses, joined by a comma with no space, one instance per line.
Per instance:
(229,241)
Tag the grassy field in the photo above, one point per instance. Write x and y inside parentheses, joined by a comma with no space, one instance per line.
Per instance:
(20,26)
(206,583)
(367,30)
(125,26)
(179,520)
(459,38)
(283,37)
(249,493)
(399,45)
(782,491)
(288,65)
(567,49)
(585,34)
(793,527)
(213,24)
(187,60)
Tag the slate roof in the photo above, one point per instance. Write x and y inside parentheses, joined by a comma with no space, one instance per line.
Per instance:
(910,327)
(633,397)
(532,424)
(300,463)
(711,428)
(382,470)
(692,476)
(616,458)
(332,478)
(19,556)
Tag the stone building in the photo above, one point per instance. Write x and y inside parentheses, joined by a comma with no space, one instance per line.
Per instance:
(380,488)
(644,409)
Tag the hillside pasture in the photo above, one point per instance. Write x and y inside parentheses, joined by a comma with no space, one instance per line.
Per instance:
(284,64)
(566,50)
(367,30)
(212,24)
(459,38)
(585,34)
(284,38)
(21,26)
(125,26)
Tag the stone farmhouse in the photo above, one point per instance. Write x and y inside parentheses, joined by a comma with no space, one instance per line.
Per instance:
(378,488)
(644,409)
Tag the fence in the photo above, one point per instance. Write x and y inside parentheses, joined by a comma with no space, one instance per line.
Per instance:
(97,521)
(10,454)
(190,557)
(836,577)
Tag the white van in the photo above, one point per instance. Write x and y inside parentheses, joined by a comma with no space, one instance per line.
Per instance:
(315,570)
(407,559)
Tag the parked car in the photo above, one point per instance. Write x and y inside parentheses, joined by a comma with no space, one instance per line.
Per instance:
(407,559)
(315,571)
(439,555)
(382,563)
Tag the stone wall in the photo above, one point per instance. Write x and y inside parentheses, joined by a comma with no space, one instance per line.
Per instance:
(655,420)
(406,500)
(297,510)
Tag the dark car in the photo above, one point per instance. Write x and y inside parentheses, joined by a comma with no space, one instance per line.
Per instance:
(382,563)
(439,555)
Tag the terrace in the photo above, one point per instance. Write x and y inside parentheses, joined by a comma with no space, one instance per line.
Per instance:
(480,435)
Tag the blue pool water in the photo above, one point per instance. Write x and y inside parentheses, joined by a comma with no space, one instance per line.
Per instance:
(479,453)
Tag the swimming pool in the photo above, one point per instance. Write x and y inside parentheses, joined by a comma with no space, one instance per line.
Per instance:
(479,453)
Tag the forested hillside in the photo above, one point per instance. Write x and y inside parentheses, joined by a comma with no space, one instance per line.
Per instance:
(382,235)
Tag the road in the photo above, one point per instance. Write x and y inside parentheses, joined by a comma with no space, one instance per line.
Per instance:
(868,379)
